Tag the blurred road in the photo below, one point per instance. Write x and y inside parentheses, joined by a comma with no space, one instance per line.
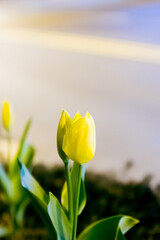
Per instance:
(105,62)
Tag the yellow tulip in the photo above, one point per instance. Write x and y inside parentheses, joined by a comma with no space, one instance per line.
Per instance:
(63,123)
(79,140)
(7,116)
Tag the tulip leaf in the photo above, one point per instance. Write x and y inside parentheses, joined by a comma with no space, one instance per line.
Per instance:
(126,223)
(24,135)
(18,192)
(12,184)
(30,184)
(38,196)
(21,152)
(27,154)
(59,219)
(20,210)
(112,228)
(82,197)
(120,235)
(6,182)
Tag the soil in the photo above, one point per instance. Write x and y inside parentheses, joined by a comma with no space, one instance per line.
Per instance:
(105,197)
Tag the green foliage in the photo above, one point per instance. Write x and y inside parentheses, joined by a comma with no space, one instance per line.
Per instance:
(111,228)
(6,183)
(25,152)
(47,206)
(14,193)
(56,220)
(30,184)
(82,197)
(59,219)
(39,197)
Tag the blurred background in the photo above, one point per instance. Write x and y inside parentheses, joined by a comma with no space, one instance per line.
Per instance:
(100,56)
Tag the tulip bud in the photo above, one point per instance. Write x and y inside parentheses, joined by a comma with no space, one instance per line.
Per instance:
(7,116)
(63,123)
(79,141)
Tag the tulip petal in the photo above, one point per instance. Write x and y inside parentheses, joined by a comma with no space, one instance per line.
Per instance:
(79,140)
(7,115)
(64,123)
(77,116)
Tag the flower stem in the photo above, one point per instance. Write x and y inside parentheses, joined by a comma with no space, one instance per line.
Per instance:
(69,189)
(76,195)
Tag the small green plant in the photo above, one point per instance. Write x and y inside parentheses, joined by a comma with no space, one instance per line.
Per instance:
(13,193)
(76,140)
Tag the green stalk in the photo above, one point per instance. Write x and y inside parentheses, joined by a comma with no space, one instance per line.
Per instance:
(69,189)
(76,196)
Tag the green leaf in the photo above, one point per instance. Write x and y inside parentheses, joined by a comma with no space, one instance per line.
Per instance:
(39,198)
(18,191)
(24,136)
(20,210)
(12,184)
(111,228)
(82,197)
(126,223)
(30,184)
(6,182)
(26,158)
(27,154)
(12,187)
(59,219)
(120,235)
(13,165)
